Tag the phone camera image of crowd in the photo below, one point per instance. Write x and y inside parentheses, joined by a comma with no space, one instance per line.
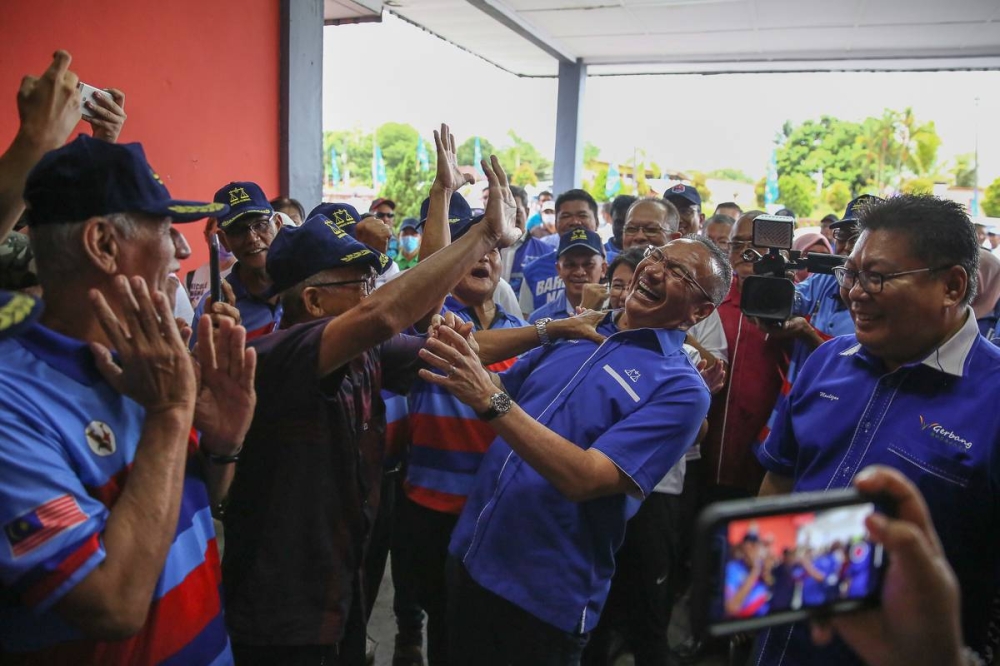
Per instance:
(486,406)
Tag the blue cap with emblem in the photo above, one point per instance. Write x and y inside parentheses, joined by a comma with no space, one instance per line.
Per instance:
(460,217)
(17,312)
(685,195)
(89,177)
(580,237)
(343,215)
(851,214)
(319,244)
(243,198)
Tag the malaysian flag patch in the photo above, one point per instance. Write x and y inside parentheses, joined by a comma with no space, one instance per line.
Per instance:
(41,524)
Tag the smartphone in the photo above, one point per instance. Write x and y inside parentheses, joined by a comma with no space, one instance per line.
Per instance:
(768,561)
(215,278)
(87,93)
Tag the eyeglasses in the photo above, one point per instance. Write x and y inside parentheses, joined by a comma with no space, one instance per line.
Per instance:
(260,227)
(844,235)
(872,282)
(368,282)
(737,246)
(385,216)
(632,229)
(656,255)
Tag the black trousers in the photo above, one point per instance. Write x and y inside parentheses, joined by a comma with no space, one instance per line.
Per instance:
(642,590)
(487,630)
(427,533)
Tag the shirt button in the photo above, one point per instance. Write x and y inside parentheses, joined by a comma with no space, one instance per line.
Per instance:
(365,427)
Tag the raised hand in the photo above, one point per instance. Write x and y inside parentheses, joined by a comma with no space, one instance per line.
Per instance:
(448,175)
(49,106)
(155,368)
(501,210)
(464,375)
(226,396)
(108,114)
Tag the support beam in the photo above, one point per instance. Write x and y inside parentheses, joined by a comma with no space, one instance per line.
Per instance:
(301,134)
(567,171)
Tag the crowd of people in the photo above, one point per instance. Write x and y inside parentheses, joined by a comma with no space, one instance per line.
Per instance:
(527,415)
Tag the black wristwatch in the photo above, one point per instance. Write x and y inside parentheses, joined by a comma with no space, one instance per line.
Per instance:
(500,404)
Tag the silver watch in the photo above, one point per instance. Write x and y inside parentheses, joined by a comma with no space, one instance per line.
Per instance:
(500,404)
(542,327)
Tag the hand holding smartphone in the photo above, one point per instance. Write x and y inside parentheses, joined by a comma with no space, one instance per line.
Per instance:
(768,561)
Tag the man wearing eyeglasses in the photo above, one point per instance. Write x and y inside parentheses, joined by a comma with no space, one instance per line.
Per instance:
(534,545)
(914,388)
(247,231)
(688,202)
(575,209)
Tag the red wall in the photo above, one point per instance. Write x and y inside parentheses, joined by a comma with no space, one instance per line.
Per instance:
(201,82)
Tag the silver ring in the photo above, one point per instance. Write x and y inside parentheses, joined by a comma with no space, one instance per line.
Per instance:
(452,370)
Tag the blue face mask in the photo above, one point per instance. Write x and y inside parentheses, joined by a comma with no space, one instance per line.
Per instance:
(410,243)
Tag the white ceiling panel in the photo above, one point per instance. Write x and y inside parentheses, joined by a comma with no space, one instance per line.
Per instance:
(531,37)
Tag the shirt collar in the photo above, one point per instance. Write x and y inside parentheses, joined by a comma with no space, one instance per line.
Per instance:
(948,357)
(69,356)
(669,340)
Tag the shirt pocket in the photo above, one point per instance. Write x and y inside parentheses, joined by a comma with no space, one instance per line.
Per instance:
(954,467)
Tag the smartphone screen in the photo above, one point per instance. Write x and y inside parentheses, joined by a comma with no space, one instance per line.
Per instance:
(767,568)
(215,279)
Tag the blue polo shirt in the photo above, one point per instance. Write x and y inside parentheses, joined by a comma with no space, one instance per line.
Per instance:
(638,400)
(541,283)
(556,309)
(936,422)
(610,251)
(527,251)
(819,296)
(258,316)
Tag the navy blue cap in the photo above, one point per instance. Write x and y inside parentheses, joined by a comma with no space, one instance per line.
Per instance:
(89,177)
(319,244)
(458,210)
(851,214)
(17,312)
(243,198)
(410,223)
(684,192)
(343,215)
(580,237)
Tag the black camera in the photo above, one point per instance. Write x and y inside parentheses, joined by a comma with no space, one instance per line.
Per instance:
(768,294)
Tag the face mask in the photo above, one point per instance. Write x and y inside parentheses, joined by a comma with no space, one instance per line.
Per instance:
(224,254)
(410,243)
(549,218)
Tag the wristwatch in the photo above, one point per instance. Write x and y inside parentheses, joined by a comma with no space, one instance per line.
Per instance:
(500,404)
(542,327)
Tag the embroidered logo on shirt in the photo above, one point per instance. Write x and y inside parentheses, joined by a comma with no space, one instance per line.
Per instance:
(100,438)
(633,375)
(828,396)
(38,526)
(937,431)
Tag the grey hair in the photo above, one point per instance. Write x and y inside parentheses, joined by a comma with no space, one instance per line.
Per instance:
(722,271)
(672,217)
(58,247)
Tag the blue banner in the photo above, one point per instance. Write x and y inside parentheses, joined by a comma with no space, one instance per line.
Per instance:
(614,182)
(378,166)
(477,158)
(334,167)
(423,160)
(771,186)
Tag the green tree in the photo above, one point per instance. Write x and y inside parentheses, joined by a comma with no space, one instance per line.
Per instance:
(524,175)
(917,186)
(828,145)
(598,187)
(759,191)
(837,196)
(964,170)
(729,174)
(991,199)
(698,180)
(397,140)
(467,150)
(405,185)
(354,149)
(797,192)
(520,152)
(590,153)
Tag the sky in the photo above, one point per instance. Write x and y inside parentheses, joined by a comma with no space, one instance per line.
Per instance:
(394,71)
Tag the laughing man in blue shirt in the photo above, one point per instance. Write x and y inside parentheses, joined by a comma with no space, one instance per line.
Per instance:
(912,389)
(594,428)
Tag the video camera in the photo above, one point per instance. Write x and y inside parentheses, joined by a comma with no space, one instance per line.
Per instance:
(768,294)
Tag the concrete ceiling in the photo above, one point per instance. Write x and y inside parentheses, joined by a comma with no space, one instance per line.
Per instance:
(531,37)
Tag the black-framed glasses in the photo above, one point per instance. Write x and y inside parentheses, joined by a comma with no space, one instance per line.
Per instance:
(871,281)
(260,227)
(738,246)
(368,282)
(656,255)
(844,235)
(385,216)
